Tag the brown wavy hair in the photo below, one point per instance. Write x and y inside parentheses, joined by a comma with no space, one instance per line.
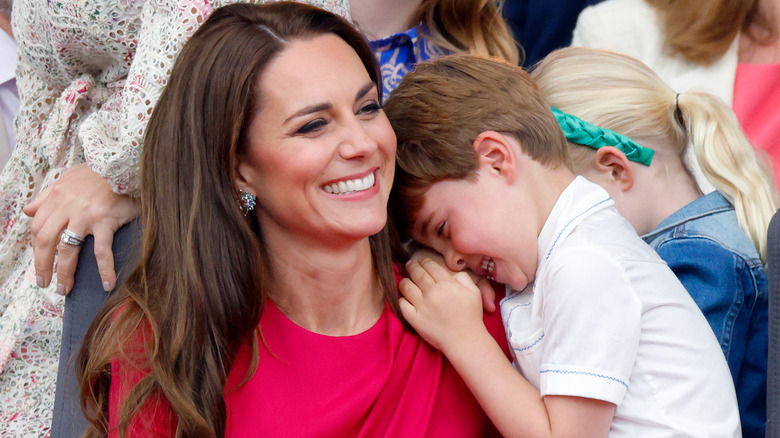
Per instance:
(200,287)
(468,26)
(702,30)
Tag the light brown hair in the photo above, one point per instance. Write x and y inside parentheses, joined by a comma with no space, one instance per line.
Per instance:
(702,30)
(438,111)
(199,290)
(468,26)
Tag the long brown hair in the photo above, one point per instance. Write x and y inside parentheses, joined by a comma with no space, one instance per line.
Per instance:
(702,30)
(200,287)
(468,26)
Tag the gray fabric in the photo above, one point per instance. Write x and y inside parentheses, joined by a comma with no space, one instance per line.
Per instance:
(81,306)
(773,369)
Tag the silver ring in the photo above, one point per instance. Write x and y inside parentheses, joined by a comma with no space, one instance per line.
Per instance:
(68,237)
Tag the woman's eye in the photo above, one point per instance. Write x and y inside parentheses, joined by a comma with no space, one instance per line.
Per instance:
(370,108)
(313,126)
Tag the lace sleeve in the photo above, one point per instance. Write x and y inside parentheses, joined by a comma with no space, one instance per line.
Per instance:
(112,138)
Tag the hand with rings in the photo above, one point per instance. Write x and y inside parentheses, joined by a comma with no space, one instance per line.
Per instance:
(78,204)
(68,237)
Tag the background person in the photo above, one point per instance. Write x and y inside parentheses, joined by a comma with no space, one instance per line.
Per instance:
(716,243)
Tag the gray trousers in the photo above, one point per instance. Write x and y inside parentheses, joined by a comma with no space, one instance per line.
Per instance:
(81,307)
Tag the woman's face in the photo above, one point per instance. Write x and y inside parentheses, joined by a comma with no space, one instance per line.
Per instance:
(321,152)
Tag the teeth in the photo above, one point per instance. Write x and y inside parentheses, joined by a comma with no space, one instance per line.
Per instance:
(351,186)
(488,265)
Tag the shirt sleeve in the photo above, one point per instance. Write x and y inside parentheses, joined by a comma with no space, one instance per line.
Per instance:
(112,137)
(592,321)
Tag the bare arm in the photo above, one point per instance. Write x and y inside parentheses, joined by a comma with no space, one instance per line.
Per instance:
(447,311)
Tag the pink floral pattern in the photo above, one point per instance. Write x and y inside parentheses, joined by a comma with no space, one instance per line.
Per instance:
(76,106)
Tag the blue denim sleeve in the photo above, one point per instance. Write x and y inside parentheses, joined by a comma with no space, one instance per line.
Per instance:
(732,292)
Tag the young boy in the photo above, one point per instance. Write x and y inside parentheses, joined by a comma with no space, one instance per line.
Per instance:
(606,339)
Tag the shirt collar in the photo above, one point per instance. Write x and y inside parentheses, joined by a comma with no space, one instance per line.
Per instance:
(580,199)
(704,206)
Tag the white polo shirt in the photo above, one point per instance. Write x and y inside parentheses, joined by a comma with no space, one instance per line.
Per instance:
(607,319)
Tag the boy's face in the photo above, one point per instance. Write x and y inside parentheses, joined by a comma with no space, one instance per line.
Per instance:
(475,226)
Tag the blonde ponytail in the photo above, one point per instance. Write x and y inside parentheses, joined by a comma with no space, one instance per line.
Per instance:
(729,162)
(618,92)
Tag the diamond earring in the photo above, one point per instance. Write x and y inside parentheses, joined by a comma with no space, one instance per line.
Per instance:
(248,201)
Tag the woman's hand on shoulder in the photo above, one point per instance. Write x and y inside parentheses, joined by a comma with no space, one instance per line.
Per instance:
(82,202)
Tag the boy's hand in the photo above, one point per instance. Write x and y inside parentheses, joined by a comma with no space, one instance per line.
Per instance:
(444,308)
(485,287)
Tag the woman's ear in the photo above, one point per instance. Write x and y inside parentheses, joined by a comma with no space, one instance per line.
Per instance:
(497,154)
(613,164)
(242,174)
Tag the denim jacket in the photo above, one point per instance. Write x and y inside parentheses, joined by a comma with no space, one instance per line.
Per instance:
(719,266)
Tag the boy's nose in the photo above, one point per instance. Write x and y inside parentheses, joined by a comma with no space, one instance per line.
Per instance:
(455,260)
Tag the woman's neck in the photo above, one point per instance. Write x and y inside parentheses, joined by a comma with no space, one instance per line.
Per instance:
(381,18)
(329,291)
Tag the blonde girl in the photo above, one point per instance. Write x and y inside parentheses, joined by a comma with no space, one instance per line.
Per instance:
(715,242)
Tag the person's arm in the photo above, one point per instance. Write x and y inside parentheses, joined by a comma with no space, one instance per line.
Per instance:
(446,310)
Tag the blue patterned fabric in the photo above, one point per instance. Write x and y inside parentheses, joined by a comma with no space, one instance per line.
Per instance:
(399,53)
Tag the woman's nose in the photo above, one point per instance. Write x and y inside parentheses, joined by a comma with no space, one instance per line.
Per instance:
(357,142)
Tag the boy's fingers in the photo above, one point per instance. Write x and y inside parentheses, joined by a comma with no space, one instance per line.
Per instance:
(407,310)
(419,275)
(488,295)
(409,290)
(435,269)
(464,279)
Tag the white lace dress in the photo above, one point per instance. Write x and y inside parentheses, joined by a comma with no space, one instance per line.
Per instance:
(89,73)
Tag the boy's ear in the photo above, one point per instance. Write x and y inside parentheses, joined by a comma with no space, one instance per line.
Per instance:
(496,151)
(612,163)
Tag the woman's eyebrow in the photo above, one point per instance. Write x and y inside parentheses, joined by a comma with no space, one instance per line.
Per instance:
(326,106)
(363,91)
(309,110)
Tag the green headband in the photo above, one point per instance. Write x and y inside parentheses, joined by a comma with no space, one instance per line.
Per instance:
(581,132)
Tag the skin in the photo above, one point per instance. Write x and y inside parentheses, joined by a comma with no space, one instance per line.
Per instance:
(380,18)
(446,309)
(83,202)
(320,123)
(644,195)
(751,52)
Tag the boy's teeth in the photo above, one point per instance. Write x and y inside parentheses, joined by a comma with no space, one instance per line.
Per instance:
(351,186)
(488,265)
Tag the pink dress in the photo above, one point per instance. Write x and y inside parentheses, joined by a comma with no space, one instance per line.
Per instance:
(384,382)
(757,106)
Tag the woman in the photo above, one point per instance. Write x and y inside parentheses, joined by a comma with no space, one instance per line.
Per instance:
(89,73)
(286,109)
